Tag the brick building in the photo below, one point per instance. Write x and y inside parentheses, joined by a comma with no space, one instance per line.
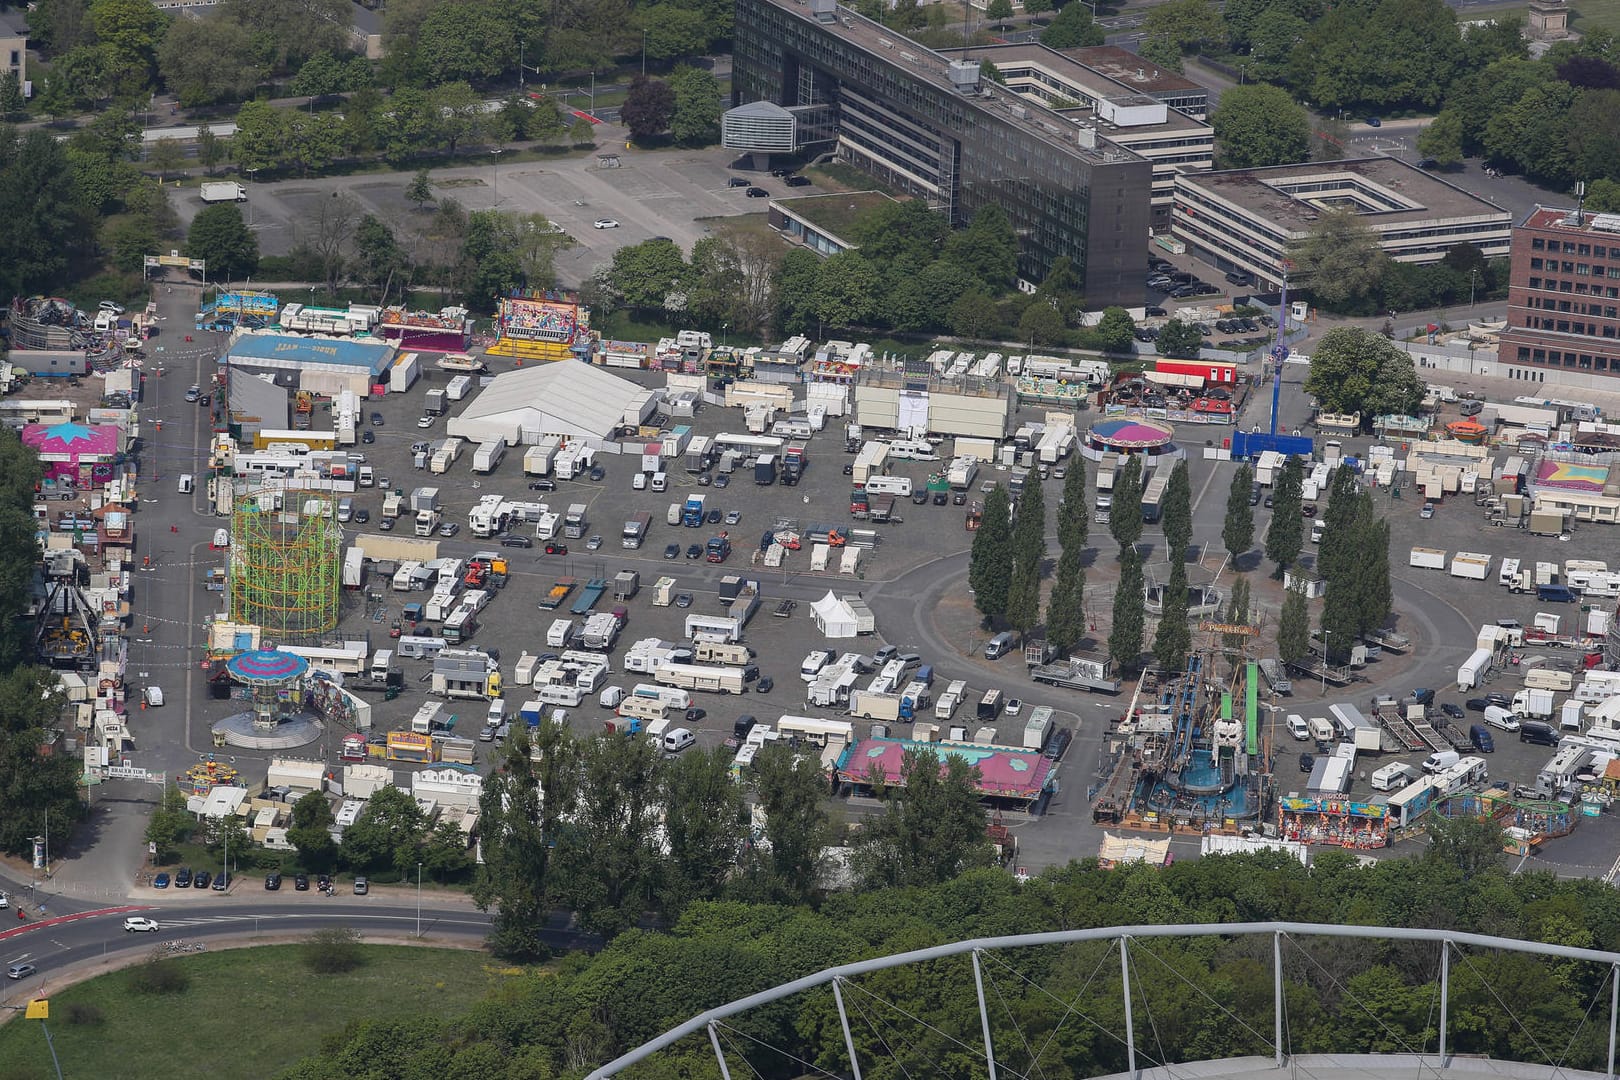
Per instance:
(1564,299)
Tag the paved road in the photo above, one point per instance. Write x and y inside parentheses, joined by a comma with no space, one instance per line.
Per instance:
(69,948)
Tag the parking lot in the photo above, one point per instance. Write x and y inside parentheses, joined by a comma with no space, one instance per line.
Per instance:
(671,193)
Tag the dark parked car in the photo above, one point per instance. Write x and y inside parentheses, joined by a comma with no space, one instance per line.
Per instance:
(1204,288)
(362,516)
(367,437)
(694,551)
(693,715)
(722,481)
(598,473)
(517,541)
(222,882)
(542,485)
(376,419)
(1307,762)
(941,498)
(737,181)
(272,882)
(1451,710)
(919,497)
(182,878)
(713,517)
(1476,704)
(1058,743)
(757,193)
(798,181)
(201,880)
(672,551)
(301,883)
(1255,495)
(161,881)
(765,685)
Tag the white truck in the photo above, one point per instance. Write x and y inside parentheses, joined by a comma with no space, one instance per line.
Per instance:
(354,568)
(1428,558)
(224,191)
(1533,704)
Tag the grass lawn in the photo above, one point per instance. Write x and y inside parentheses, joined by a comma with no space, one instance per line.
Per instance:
(245,1014)
(1589,15)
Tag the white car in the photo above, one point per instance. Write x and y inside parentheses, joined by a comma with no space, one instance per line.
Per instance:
(1014,706)
(108,305)
(604,223)
(424,421)
(138,924)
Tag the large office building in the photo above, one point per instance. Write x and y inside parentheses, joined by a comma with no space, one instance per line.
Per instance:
(929,125)
(1248,219)
(1137,114)
(1563,319)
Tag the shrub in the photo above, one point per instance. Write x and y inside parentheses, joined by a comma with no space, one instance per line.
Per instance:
(160,976)
(83,1014)
(333,951)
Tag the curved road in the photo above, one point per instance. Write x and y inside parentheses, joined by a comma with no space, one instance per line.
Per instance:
(70,947)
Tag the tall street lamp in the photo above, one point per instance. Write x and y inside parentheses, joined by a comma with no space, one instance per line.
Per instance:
(418,899)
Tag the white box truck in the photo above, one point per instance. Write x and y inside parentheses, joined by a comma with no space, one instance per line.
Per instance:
(1428,558)
(489,455)
(224,191)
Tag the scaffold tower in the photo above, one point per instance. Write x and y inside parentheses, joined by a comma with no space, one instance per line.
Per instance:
(285,563)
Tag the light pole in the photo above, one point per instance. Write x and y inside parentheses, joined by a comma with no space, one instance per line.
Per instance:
(644,54)
(593,91)
(1326,657)
(497,151)
(250,173)
(1473,279)
(419,899)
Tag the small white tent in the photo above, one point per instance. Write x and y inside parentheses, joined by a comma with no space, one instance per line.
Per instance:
(833,617)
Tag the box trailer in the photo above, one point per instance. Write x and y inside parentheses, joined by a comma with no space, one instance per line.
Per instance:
(1428,558)
(489,455)
(1473,670)
(1471,565)
(354,568)
(538,458)
(663,592)
(714,680)
(874,706)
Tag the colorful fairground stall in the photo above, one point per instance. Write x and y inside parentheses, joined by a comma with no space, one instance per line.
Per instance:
(82,454)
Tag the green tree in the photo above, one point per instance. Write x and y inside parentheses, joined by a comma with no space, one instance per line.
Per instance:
(460,112)
(696,119)
(467,41)
(167,157)
(1285,535)
(1040,324)
(704,821)
(1114,331)
(1178,338)
(1184,25)
(672,31)
(1172,641)
(1176,515)
(210,148)
(987,248)
(1125,510)
(1294,626)
(260,141)
(999,11)
(1238,613)
(932,828)
(377,255)
(1442,138)
(1336,552)
(794,287)
(169,826)
(973,314)
(76,82)
(220,236)
(1472,846)
(1358,370)
(420,189)
(605,860)
(286,33)
(519,810)
(131,241)
(846,291)
(1072,29)
(582,133)
(1237,534)
(990,566)
(387,833)
(128,32)
(12,102)
(1029,555)
(789,788)
(311,832)
(1339,260)
(1125,636)
(210,59)
(44,225)
(320,75)
(1257,125)
(1065,611)
(648,108)
(647,272)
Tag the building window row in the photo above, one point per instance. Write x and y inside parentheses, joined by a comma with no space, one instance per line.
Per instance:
(1570,247)
(1557,358)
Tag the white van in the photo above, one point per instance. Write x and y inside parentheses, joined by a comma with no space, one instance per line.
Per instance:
(610,698)
(1297,727)
(186,483)
(1000,645)
(1440,761)
(367,477)
(1394,776)
(673,517)
(345,510)
(660,481)
(1321,730)
(677,740)
(1498,717)
(154,696)
(638,482)
(496,716)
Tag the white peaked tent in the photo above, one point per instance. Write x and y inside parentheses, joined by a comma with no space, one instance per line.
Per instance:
(834,618)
